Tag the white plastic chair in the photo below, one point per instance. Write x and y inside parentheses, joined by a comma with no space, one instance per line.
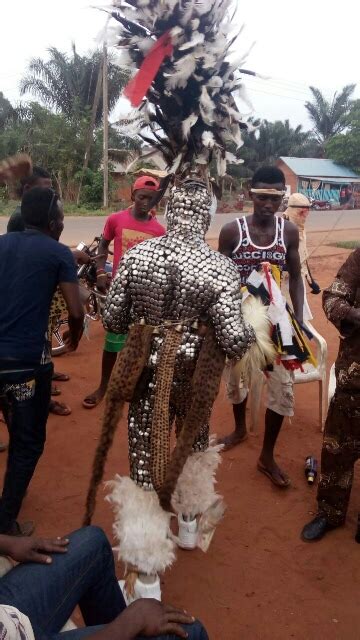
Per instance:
(332,383)
(310,374)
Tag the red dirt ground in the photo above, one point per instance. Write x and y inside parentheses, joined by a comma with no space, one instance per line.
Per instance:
(258,580)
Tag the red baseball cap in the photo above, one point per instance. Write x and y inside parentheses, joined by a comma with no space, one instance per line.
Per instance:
(146,182)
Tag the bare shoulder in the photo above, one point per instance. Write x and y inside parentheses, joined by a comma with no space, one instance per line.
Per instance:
(229,228)
(229,237)
(291,232)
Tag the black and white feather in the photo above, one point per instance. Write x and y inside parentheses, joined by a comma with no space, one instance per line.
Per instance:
(189,112)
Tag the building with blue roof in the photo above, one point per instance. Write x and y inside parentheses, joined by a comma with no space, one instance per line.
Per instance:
(317,178)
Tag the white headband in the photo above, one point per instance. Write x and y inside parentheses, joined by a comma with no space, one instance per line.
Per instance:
(268,192)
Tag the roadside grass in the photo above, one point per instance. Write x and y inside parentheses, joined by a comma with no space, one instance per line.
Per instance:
(346,244)
(70,209)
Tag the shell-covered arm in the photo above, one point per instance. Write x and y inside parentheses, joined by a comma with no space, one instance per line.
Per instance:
(116,314)
(339,298)
(234,335)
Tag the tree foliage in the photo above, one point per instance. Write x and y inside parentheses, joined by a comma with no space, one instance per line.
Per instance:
(67,83)
(329,117)
(345,147)
(270,140)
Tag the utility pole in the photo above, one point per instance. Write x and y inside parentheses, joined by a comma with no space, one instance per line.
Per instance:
(106,126)
(89,140)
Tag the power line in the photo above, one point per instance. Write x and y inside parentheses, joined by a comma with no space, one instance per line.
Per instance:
(278,95)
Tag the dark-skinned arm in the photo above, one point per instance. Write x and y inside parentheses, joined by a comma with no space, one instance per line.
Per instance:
(103,252)
(228,238)
(296,284)
(71,294)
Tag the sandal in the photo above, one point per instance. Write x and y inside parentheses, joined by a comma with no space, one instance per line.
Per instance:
(59,408)
(55,391)
(91,401)
(274,479)
(60,377)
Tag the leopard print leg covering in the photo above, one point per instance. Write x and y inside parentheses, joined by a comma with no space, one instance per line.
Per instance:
(126,373)
(160,436)
(205,387)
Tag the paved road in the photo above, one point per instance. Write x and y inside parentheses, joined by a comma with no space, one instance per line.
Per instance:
(85,228)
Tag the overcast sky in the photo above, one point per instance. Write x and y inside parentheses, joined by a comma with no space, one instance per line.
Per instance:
(297,44)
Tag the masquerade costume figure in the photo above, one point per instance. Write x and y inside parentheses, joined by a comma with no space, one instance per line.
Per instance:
(178,300)
(341,445)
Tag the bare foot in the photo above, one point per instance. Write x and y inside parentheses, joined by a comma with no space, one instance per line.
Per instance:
(59,408)
(230,441)
(93,399)
(278,477)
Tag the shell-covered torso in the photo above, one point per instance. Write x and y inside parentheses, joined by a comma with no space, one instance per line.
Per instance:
(179,279)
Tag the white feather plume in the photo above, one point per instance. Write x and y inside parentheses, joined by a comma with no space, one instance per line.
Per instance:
(204,57)
(198,38)
(232,159)
(188,123)
(262,351)
(183,69)
(208,139)
(141,527)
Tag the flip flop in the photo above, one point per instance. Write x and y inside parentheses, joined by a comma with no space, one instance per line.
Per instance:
(59,408)
(90,402)
(277,483)
(60,377)
(228,447)
(55,391)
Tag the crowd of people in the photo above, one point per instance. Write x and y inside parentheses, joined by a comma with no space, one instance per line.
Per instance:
(53,576)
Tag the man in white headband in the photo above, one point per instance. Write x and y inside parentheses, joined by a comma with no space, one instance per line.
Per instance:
(265,237)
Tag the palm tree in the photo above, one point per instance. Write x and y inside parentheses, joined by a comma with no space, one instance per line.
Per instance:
(67,83)
(270,140)
(329,117)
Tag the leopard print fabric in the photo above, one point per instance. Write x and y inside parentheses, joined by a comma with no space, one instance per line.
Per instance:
(57,310)
(205,387)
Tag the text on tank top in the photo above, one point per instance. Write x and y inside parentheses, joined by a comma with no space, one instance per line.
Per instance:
(247,256)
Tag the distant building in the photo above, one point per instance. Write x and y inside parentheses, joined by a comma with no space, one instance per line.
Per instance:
(318,179)
(123,167)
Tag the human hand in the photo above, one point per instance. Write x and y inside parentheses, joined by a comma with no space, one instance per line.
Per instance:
(354,317)
(35,549)
(69,342)
(81,257)
(149,618)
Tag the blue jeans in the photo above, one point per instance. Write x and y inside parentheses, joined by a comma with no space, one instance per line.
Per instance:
(26,412)
(84,576)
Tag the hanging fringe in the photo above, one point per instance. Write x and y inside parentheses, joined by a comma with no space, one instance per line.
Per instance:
(205,387)
(160,429)
(124,378)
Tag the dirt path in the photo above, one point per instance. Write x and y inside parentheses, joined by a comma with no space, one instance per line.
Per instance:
(258,580)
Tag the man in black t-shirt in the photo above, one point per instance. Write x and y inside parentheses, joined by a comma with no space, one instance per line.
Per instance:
(38,178)
(39,264)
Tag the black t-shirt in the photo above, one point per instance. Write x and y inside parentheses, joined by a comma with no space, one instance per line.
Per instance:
(31,266)
(16,222)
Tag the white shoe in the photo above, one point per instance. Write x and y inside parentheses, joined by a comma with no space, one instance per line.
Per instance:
(188,533)
(142,590)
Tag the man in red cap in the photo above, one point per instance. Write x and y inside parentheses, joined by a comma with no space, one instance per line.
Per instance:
(126,228)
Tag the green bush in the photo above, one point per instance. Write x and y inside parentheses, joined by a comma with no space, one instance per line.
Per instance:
(92,191)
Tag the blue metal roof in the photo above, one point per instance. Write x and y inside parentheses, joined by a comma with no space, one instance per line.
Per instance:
(318,168)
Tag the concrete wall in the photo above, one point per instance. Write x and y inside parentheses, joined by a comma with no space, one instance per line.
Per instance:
(290,177)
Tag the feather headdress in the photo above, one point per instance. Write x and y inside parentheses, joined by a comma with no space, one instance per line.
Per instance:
(184,85)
